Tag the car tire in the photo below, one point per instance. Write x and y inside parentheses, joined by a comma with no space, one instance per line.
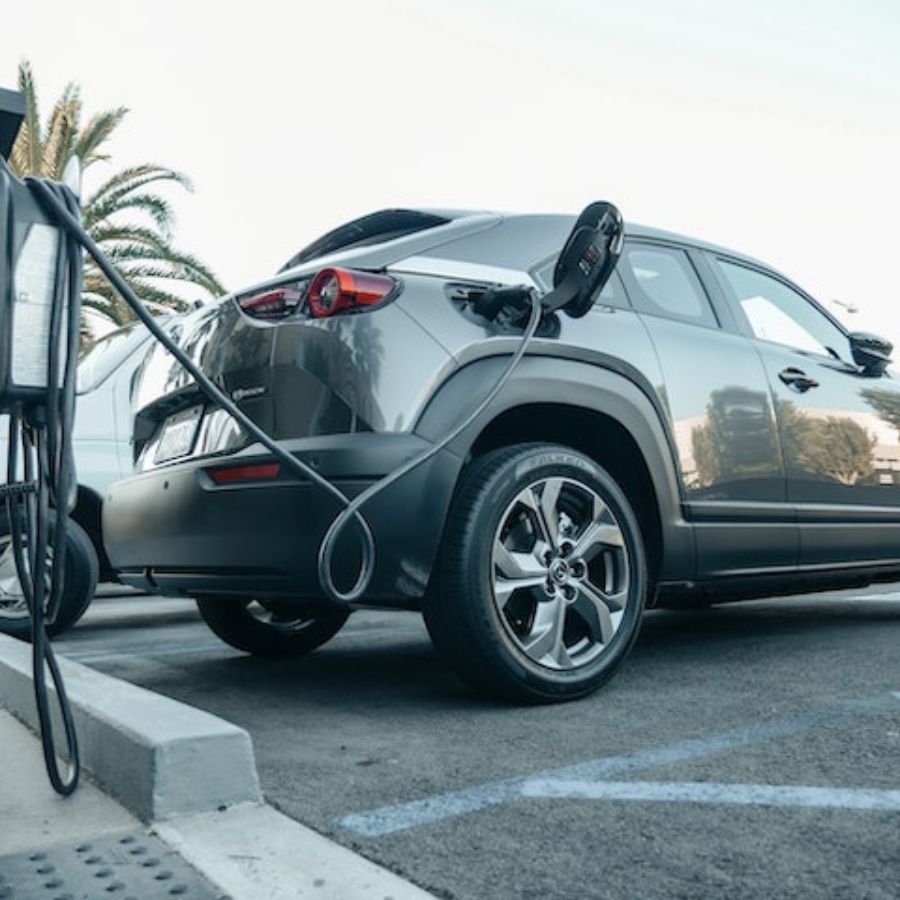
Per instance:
(81,582)
(542,579)
(270,628)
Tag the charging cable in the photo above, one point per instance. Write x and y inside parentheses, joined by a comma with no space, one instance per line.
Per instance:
(43,431)
(351,509)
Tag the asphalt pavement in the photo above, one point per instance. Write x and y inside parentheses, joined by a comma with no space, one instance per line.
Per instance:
(750,750)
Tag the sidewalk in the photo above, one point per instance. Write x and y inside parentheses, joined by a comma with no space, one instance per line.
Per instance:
(32,814)
(179,814)
(85,845)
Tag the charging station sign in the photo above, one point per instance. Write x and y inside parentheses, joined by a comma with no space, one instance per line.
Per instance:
(34,280)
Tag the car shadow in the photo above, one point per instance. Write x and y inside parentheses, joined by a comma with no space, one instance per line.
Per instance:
(758,618)
(372,669)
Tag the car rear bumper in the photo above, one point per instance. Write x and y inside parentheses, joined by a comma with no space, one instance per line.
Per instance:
(173,530)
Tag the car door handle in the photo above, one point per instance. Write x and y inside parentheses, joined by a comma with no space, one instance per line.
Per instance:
(797,379)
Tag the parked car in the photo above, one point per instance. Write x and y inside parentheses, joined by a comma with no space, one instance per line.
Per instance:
(706,432)
(103,454)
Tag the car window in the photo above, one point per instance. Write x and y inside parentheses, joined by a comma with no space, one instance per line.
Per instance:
(519,243)
(613,293)
(106,354)
(663,282)
(375,228)
(777,313)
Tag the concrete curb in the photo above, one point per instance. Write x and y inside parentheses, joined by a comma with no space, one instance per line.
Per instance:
(256,851)
(159,758)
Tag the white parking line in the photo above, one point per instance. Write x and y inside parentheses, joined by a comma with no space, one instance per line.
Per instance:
(88,656)
(705,792)
(428,810)
(94,656)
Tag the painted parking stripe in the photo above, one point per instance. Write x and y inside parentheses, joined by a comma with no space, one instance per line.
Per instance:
(144,650)
(705,792)
(150,650)
(428,810)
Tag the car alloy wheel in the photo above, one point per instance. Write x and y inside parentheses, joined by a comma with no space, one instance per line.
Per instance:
(542,580)
(561,573)
(12,598)
(77,591)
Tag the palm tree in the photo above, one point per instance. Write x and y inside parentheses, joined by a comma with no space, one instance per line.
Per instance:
(140,245)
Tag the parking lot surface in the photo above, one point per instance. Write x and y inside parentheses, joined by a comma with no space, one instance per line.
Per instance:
(750,750)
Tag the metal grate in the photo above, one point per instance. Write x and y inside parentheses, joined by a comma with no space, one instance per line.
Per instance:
(129,866)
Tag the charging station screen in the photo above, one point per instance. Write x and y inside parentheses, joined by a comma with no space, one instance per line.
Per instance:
(33,283)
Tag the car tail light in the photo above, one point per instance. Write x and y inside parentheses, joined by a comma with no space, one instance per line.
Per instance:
(334,291)
(245,472)
(273,304)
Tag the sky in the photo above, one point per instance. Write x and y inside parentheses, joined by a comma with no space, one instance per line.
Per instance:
(769,126)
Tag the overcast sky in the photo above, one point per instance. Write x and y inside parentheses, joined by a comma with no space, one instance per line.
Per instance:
(772,126)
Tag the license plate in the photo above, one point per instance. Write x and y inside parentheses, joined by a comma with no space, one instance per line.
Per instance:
(178,434)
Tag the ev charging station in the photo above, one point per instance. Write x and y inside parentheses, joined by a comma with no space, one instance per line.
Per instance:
(42,242)
(40,298)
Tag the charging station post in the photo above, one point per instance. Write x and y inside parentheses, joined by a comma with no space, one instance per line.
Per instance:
(40,298)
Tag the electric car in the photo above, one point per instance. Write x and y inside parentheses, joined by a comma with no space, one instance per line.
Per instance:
(702,431)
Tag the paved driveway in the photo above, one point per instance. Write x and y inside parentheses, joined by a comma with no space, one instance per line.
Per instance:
(743,751)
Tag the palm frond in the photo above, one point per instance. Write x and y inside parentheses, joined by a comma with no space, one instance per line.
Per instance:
(136,177)
(145,269)
(97,130)
(107,234)
(124,251)
(150,293)
(195,272)
(153,205)
(142,249)
(104,299)
(26,155)
(62,130)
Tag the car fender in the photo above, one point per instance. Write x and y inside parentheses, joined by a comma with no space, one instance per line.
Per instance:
(574,382)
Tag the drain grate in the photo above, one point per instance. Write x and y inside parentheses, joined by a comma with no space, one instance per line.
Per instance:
(130,866)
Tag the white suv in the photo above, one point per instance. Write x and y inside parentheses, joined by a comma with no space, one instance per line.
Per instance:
(103,454)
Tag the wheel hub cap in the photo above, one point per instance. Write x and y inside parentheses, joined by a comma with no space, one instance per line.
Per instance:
(561,573)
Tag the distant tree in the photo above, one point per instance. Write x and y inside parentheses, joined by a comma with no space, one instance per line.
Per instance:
(708,455)
(886,405)
(835,447)
(125,215)
(735,442)
(840,449)
(796,431)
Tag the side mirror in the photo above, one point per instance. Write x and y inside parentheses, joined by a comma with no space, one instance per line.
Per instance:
(589,256)
(870,352)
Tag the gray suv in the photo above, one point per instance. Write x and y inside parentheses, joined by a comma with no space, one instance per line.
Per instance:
(704,432)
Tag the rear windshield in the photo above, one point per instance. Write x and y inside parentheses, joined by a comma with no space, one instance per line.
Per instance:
(376,228)
(520,242)
(102,357)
